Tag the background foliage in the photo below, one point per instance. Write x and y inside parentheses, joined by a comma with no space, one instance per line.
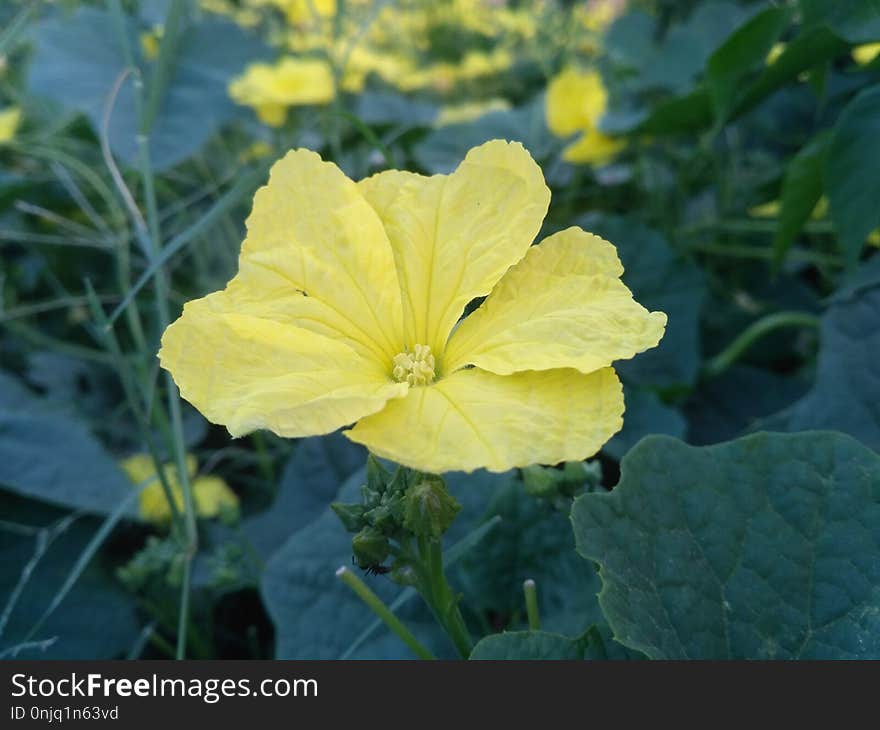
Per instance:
(737,515)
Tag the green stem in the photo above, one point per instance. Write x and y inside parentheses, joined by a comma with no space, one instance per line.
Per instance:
(382,611)
(729,355)
(440,598)
(530,591)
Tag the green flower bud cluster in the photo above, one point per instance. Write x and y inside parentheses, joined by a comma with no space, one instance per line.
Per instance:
(158,564)
(395,507)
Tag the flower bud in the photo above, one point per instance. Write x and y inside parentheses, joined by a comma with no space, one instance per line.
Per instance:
(351,515)
(370,547)
(429,508)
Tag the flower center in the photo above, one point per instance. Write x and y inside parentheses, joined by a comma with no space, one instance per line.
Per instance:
(415,368)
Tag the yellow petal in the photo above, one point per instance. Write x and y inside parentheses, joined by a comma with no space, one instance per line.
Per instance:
(250,366)
(455,235)
(575,101)
(473,419)
(213,497)
(562,306)
(864,54)
(593,148)
(315,244)
(10,119)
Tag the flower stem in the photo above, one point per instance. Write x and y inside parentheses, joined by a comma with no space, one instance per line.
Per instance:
(531,594)
(730,354)
(382,611)
(439,596)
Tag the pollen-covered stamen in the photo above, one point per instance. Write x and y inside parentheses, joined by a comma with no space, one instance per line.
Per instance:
(415,367)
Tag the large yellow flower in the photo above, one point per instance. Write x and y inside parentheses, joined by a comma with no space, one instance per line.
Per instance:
(576,101)
(346,309)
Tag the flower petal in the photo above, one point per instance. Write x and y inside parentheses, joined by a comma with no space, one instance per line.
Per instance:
(473,419)
(575,101)
(312,233)
(562,306)
(455,235)
(246,370)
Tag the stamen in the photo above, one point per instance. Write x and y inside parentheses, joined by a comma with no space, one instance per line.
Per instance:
(415,368)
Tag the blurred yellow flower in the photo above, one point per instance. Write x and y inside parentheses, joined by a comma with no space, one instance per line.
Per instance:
(776,50)
(469,111)
(864,54)
(346,309)
(10,120)
(271,89)
(212,496)
(301,12)
(576,101)
(149,45)
(257,150)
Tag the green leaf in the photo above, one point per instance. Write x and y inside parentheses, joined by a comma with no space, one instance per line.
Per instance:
(310,481)
(767,547)
(95,620)
(52,457)
(645,414)
(724,407)
(846,391)
(811,47)
(680,115)
(743,52)
(693,112)
(660,280)
(385,107)
(681,56)
(78,59)
(601,645)
(801,190)
(851,181)
(856,21)
(528,645)
(442,149)
(531,541)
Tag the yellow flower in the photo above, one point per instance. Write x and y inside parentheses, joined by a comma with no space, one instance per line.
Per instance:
(864,54)
(213,497)
(10,119)
(470,110)
(271,90)
(776,50)
(576,101)
(150,41)
(346,309)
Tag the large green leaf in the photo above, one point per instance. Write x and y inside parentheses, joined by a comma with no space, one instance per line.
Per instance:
(50,456)
(661,280)
(766,547)
(310,481)
(596,643)
(79,59)
(528,645)
(531,541)
(851,181)
(95,620)
(846,393)
(645,414)
(740,55)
